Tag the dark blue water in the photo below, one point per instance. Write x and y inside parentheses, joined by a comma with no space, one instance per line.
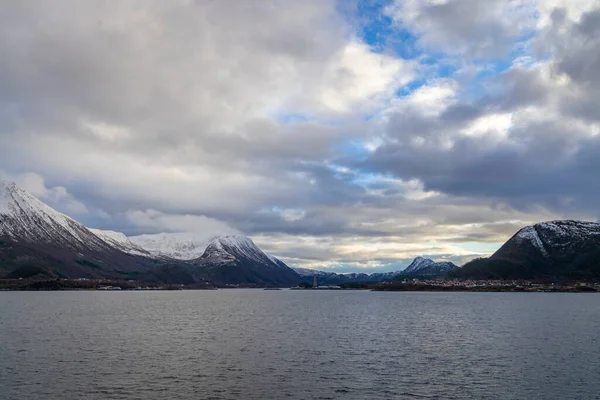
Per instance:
(255,344)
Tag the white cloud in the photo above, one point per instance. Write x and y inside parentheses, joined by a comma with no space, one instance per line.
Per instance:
(470,28)
(496,125)
(433,98)
(194,225)
(358,77)
(165,117)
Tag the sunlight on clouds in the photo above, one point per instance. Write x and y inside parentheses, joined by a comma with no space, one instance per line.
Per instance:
(430,99)
(373,144)
(497,125)
(358,254)
(381,185)
(358,76)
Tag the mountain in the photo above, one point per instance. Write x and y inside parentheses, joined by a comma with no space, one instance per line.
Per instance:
(332,278)
(426,267)
(418,264)
(38,241)
(121,242)
(421,267)
(278,262)
(35,239)
(548,250)
(237,260)
(310,273)
(170,245)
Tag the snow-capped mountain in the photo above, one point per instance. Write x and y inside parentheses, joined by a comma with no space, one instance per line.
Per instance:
(427,267)
(25,218)
(33,234)
(277,261)
(121,242)
(418,264)
(179,246)
(546,237)
(37,240)
(236,259)
(555,249)
(227,249)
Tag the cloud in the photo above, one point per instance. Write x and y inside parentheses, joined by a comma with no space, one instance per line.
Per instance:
(194,224)
(440,130)
(359,76)
(468,27)
(528,141)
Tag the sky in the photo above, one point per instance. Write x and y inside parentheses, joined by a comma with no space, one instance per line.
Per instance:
(339,135)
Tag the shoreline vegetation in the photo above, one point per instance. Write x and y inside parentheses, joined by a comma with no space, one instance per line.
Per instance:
(414,285)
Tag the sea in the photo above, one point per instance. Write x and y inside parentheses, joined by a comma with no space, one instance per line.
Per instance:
(303,344)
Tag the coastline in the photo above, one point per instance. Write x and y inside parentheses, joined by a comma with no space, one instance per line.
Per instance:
(418,286)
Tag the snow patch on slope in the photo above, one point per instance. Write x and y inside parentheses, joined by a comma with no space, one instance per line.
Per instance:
(529,233)
(120,241)
(179,246)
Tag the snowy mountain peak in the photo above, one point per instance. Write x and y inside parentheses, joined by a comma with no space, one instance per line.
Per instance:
(428,267)
(553,234)
(7,186)
(236,259)
(228,249)
(418,263)
(12,197)
(236,243)
(24,217)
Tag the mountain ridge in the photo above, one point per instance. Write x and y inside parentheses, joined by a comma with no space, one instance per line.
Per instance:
(237,258)
(177,246)
(35,240)
(36,237)
(558,249)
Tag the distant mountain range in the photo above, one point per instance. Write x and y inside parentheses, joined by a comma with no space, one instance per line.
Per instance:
(38,241)
(420,267)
